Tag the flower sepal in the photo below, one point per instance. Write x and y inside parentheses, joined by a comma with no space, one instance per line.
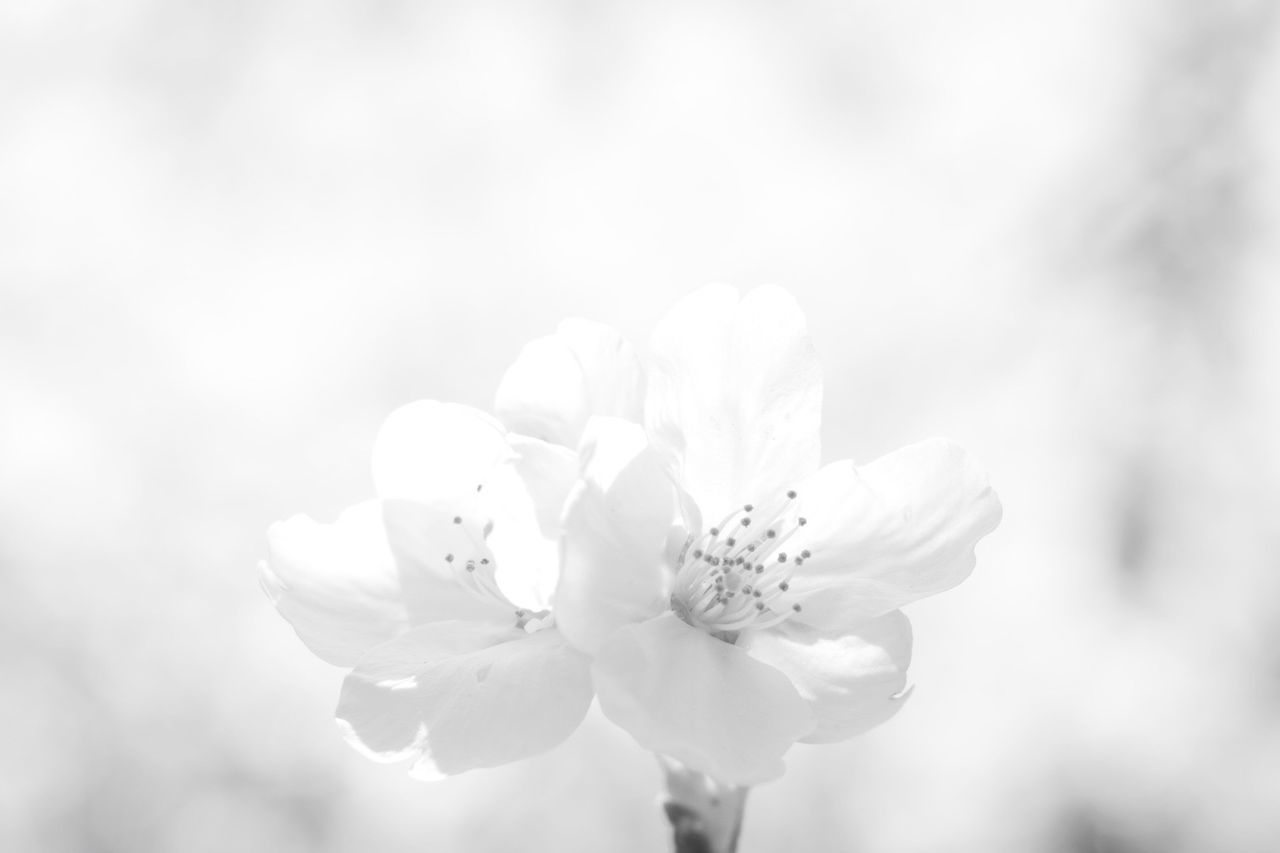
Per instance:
(705,814)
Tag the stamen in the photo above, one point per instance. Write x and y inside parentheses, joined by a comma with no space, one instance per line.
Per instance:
(708,592)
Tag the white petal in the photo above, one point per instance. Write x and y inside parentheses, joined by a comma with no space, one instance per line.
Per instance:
(853,679)
(616,524)
(461,696)
(896,530)
(338,584)
(683,693)
(735,396)
(377,571)
(525,499)
(558,382)
(437,453)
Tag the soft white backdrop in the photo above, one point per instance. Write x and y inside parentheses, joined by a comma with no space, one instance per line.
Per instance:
(234,236)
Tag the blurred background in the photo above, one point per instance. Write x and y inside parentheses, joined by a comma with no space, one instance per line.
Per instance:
(235,235)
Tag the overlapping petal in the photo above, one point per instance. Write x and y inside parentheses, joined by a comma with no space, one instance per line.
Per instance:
(558,382)
(853,679)
(437,453)
(524,499)
(616,526)
(898,529)
(458,696)
(735,395)
(680,692)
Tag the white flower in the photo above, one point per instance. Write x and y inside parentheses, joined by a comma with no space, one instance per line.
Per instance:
(438,593)
(768,614)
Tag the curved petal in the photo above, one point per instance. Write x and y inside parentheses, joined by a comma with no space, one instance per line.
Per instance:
(683,693)
(461,696)
(852,680)
(735,395)
(525,499)
(558,382)
(437,453)
(891,532)
(338,584)
(616,525)
(548,472)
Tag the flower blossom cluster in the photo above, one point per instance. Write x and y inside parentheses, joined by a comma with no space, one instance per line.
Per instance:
(657,531)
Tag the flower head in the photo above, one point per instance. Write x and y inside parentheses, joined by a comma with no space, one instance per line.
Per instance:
(438,594)
(736,596)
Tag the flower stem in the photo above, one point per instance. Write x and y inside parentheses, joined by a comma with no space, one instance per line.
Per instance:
(705,814)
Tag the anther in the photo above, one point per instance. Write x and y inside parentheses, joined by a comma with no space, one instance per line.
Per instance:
(715,531)
(448,558)
(782,558)
(697,555)
(771,533)
(803,521)
(730,542)
(795,607)
(791,494)
(760,568)
(760,605)
(457,519)
(746,522)
(805,553)
(747,508)
(758,594)
(484,561)
(784,586)
(471,566)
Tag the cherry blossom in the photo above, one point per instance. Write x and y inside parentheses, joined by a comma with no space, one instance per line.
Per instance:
(437,595)
(736,596)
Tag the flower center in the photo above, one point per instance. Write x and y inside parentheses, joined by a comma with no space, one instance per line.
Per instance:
(475,570)
(737,575)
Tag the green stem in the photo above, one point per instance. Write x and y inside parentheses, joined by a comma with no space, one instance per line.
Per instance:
(705,814)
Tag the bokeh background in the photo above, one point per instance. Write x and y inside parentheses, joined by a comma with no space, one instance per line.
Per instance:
(235,235)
